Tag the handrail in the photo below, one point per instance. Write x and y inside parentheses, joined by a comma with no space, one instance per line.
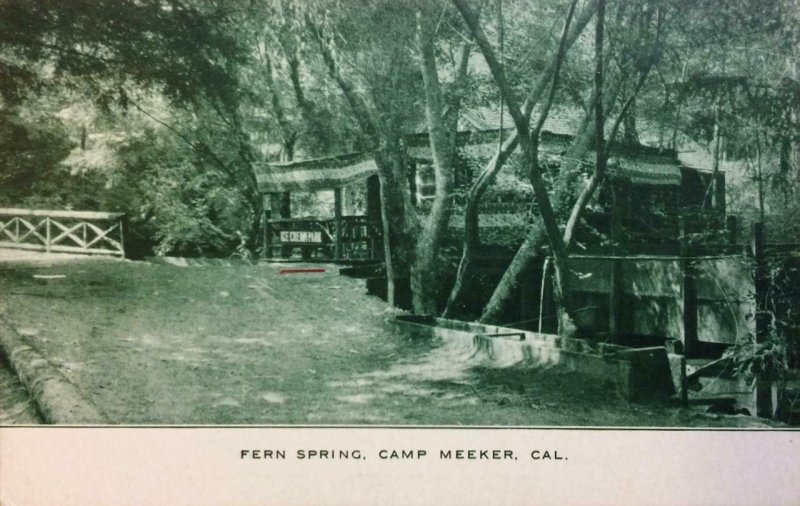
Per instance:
(303,219)
(357,238)
(88,232)
(80,215)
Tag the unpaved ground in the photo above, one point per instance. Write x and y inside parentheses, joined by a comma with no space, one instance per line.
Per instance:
(160,344)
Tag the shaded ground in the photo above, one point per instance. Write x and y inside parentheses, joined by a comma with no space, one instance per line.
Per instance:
(247,345)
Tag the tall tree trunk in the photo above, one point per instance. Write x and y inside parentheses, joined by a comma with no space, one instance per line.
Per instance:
(530,150)
(631,134)
(442,130)
(399,218)
(471,239)
(562,196)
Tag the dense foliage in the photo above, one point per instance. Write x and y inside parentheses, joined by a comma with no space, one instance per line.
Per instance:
(186,97)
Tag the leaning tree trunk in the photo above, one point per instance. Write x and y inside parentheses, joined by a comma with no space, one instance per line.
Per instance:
(529,145)
(529,250)
(563,200)
(471,240)
(398,215)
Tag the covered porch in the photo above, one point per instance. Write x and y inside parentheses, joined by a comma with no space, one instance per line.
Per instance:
(343,227)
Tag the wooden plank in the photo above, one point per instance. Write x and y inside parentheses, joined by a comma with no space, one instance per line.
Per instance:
(103,234)
(688,295)
(765,396)
(47,242)
(22,245)
(723,321)
(337,223)
(81,215)
(60,249)
(75,249)
(4,228)
(724,279)
(32,230)
(67,232)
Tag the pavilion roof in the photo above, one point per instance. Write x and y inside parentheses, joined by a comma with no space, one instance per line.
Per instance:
(315,174)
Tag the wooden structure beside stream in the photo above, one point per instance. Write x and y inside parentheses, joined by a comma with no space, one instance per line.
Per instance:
(344,238)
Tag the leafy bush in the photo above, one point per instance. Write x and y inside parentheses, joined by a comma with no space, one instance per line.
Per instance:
(174,203)
(30,152)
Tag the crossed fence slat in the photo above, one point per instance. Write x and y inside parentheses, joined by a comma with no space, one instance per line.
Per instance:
(62,231)
(30,229)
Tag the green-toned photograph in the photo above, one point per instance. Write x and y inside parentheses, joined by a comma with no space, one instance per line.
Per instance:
(527,213)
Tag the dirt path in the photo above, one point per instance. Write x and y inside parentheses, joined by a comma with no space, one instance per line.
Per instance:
(160,344)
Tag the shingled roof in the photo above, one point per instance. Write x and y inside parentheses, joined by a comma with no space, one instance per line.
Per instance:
(315,174)
(561,120)
(664,171)
(639,165)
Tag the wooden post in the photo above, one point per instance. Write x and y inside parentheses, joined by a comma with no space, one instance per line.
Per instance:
(719,196)
(765,407)
(267,235)
(526,287)
(615,291)
(374,213)
(47,233)
(337,222)
(732,227)
(543,292)
(280,204)
(266,204)
(123,224)
(688,295)
(285,207)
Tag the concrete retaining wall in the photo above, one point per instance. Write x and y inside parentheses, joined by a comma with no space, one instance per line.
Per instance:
(638,374)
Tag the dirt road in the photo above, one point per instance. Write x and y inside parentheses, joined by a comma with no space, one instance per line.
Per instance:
(161,344)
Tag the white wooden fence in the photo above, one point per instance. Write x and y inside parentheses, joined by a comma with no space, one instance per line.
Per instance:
(62,231)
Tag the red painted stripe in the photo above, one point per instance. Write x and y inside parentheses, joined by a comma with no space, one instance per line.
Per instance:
(298,271)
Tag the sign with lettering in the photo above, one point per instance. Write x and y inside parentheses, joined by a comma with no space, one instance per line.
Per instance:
(301,236)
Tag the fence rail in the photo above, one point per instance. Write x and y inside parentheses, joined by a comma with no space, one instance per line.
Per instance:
(356,239)
(87,232)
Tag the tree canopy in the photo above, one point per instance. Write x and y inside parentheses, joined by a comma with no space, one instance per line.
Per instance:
(203,91)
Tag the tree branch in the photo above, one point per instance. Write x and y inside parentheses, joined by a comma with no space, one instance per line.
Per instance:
(356,103)
(603,147)
(521,124)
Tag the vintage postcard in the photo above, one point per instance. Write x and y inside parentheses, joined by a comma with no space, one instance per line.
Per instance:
(427,252)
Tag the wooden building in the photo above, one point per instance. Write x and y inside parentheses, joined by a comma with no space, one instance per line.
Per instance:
(338,236)
(650,200)
(658,197)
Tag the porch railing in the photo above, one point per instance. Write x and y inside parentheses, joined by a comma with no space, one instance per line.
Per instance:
(62,231)
(317,239)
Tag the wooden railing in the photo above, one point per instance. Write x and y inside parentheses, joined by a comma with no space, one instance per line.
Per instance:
(62,231)
(318,239)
